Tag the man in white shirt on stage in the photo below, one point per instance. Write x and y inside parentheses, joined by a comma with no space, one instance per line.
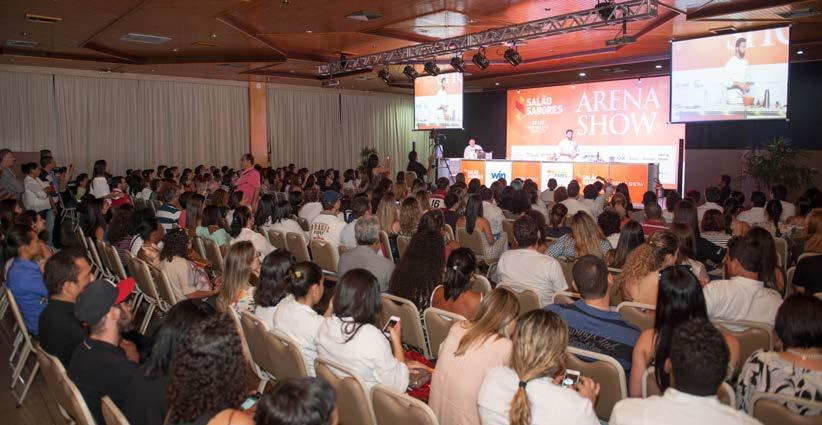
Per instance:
(737,84)
(568,148)
(473,150)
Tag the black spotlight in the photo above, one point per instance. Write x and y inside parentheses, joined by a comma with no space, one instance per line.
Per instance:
(431,68)
(410,72)
(512,56)
(385,76)
(605,8)
(458,63)
(480,60)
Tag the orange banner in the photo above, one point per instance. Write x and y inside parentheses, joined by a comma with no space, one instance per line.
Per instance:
(473,170)
(635,176)
(761,47)
(527,170)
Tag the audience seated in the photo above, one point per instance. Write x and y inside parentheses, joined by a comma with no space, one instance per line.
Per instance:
(103,363)
(527,392)
(697,362)
(780,193)
(743,296)
(490,211)
(687,251)
(639,280)
(66,274)
(241,229)
(409,218)
(757,212)
(326,226)
(473,220)
(367,254)
(685,212)
(24,277)
(806,279)
(360,208)
(99,181)
(770,271)
(455,294)
(713,226)
(146,402)
(121,230)
(298,401)
(349,337)
(591,324)
(187,280)
(796,371)
(169,213)
(420,268)
(712,200)
(242,262)
(653,219)
(527,268)
(149,241)
(585,239)
(547,195)
(556,222)
(631,236)
(471,348)
(610,223)
(212,226)
(573,204)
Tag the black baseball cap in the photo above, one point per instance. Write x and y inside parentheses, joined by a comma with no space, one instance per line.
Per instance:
(99,296)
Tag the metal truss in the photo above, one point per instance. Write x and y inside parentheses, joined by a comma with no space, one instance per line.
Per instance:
(634,10)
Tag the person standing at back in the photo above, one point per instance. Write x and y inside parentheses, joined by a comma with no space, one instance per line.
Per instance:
(249,181)
(10,186)
(416,167)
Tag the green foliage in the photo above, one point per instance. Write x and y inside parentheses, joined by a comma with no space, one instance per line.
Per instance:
(364,154)
(775,163)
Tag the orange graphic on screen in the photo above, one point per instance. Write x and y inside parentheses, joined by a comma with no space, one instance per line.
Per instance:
(527,170)
(473,170)
(435,85)
(636,177)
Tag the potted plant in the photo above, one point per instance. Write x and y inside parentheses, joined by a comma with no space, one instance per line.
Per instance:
(776,163)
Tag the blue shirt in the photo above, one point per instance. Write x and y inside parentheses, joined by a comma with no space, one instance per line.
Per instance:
(598,330)
(26,283)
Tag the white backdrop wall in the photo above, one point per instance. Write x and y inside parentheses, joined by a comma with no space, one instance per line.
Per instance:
(130,122)
(317,129)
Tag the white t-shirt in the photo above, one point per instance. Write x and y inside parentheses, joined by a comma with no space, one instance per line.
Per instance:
(575,205)
(550,403)
(529,269)
(368,354)
(285,227)
(347,236)
(752,216)
(494,215)
(700,210)
(788,210)
(740,298)
(676,408)
(310,211)
(300,322)
(327,227)
(737,70)
(568,148)
(260,242)
(471,151)
(99,187)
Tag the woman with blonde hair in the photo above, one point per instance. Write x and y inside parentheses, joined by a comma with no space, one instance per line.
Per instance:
(811,239)
(400,189)
(242,263)
(586,238)
(388,215)
(410,214)
(529,392)
(423,200)
(639,280)
(471,348)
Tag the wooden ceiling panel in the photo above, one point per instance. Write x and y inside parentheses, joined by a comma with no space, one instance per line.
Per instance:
(331,44)
(445,24)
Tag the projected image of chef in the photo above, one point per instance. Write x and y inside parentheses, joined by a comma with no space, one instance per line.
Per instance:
(738,77)
(568,148)
(442,101)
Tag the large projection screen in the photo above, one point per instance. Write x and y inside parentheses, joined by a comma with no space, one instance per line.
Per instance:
(740,76)
(438,102)
(612,121)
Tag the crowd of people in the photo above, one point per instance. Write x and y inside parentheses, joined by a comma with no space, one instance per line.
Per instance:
(691,262)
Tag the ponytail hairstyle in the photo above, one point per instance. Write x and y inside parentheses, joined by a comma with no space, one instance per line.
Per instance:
(558,213)
(540,345)
(239,220)
(301,277)
(272,286)
(774,210)
(731,209)
(459,269)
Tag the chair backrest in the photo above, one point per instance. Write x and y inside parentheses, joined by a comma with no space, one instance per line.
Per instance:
(199,246)
(325,255)
(402,244)
(144,280)
(163,287)
(481,284)
(438,323)
(105,261)
(65,392)
(386,245)
(393,408)
(789,281)
(450,232)
(566,297)
(296,244)
(471,241)
(289,358)
(214,255)
(115,261)
(409,315)
(508,228)
(95,254)
(254,331)
(756,336)
(528,300)
(18,317)
(782,250)
(111,413)
(725,394)
(806,255)
(567,269)
(605,371)
(277,239)
(353,402)
(641,315)
(769,408)
(303,223)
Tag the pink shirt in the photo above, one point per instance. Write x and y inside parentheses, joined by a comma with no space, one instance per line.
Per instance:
(457,380)
(247,183)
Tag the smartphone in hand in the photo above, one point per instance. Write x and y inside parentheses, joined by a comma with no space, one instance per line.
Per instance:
(392,321)
(570,379)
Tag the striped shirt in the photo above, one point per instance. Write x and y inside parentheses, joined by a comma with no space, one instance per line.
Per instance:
(719,239)
(168,216)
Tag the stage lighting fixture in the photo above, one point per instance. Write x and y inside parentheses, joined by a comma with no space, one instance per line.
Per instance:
(605,8)
(512,56)
(431,68)
(480,60)
(385,76)
(410,72)
(458,63)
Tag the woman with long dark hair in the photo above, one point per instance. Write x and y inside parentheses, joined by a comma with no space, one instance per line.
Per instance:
(241,229)
(472,220)
(272,286)
(185,278)
(420,268)
(92,219)
(99,180)
(122,229)
(455,294)
(679,300)
(630,237)
(733,226)
(687,251)
(212,227)
(686,212)
(622,189)
(769,271)
(556,221)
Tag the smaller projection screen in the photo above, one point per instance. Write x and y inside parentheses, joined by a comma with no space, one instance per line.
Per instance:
(740,76)
(438,102)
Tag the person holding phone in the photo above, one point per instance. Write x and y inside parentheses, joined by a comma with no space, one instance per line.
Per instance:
(349,337)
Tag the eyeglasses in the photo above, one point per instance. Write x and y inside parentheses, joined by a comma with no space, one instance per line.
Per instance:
(685,267)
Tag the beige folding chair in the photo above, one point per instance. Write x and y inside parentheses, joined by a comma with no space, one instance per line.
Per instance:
(105,261)
(788,282)
(325,256)
(782,251)
(199,246)
(167,297)
(148,288)
(111,413)
(214,255)
(22,349)
(567,269)
(386,245)
(260,355)
(393,408)
(605,371)
(290,362)
(481,284)
(115,261)
(412,333)
(296,244)
(641,315)
(769,408)
(725,394)
(528,300)
(806,255)
(566,297)
(508,228)
(96,258)
(471,241)
(752,336)
(71,403)
(277,239)
(437,324)
(402,244)
(450,236)
(353,403)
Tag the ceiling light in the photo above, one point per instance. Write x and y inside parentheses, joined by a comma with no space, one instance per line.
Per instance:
(605,8)
(385,76)
(658,67)
(458,63)
(480,60)
(410,72)
(214,35)
(497,83)
(582,74)
(800,52)
(639,80)
(431,68)
(512,56)
(175,50)
(308,31)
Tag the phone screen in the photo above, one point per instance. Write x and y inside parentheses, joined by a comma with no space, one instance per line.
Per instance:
(250,401)
(392,321)
(571,378)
